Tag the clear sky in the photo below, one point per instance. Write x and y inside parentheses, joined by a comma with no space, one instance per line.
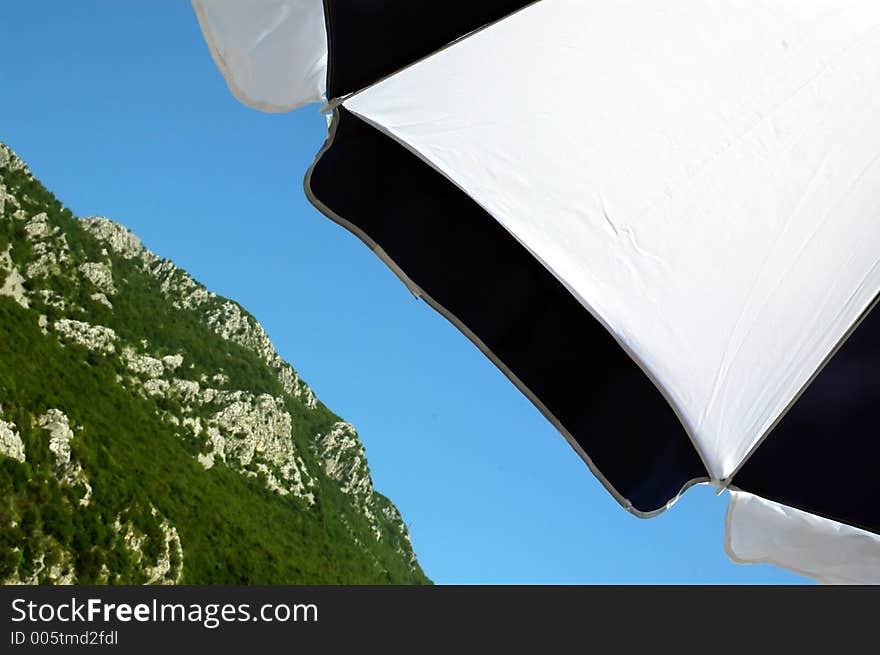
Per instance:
(120,111)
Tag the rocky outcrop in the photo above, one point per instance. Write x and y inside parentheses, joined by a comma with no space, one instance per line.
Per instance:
(93,337)
(145,365)
(100,275)
(165,568)
(11,444)
(344,460)
(257,430)
(225,317)
(69,472)
(12,282)
(48,246)
(120,239)
(57,425)
(10,161)
(52,563)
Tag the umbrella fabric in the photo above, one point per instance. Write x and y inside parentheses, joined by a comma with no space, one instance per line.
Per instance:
(661,222)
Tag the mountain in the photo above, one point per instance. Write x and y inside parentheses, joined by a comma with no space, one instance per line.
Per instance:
(149,431)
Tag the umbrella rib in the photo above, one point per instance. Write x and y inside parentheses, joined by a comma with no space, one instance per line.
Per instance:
(726,482)
(336,101)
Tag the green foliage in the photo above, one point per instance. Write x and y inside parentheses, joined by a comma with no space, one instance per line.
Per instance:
(232,528)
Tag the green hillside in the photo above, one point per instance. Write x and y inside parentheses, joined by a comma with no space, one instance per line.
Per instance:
(149,432)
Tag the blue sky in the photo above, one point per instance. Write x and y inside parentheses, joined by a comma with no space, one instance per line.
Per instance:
(120,111)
